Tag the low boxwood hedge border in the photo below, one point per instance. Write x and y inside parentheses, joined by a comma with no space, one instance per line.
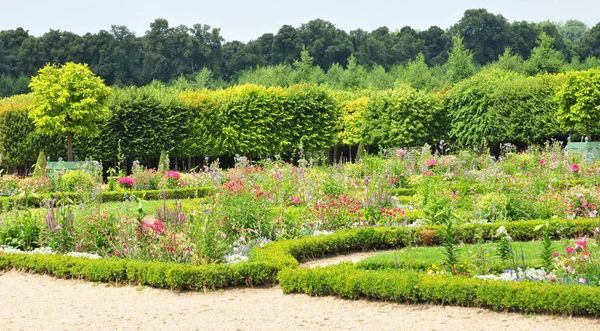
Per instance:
(35,200)
(482,188)
(278,261)
(345,281)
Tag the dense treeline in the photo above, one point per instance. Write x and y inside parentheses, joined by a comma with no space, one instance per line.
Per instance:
(358,59)
(492,107)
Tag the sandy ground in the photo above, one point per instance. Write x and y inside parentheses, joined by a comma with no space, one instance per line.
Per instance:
(354,257)
(46,303)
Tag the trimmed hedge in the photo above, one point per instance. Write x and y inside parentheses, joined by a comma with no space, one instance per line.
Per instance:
(279,261)
(155,274)
(346,281)
(403,191)
(518,230)
(35,200)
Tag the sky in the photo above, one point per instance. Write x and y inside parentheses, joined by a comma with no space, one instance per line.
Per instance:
(246,20)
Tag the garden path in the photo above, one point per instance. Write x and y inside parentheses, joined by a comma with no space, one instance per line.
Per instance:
(32,301)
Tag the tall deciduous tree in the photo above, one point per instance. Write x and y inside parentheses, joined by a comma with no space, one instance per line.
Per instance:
(484,33)
(69,100)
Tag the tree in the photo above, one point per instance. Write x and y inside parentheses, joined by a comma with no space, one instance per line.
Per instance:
(417,73)
(572,30)
(484,33)
(69,100)
(326,43)
(589,44)
(545,58)
(460,62)
(509,61)
(579,99)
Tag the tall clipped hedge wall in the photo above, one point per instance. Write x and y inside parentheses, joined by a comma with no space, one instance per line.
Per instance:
(492,107)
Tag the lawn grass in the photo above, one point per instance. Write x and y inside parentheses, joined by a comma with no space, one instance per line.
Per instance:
(481,257)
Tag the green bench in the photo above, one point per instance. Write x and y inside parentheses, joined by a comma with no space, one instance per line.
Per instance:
(591,148)
(62,166)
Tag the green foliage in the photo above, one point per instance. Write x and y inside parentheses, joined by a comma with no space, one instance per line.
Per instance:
(351,121)
(579,99)
(210,244)
(547,247)
(19,142)
(38,200)
(251,120)
(403,117)
(21,232)
(76,181)
(510,62)
(417,73)
(469,104)
(460,62)
(61,228)
(544,58)
(163,163)
(504,244)
(313,116)
(162,275)
(40,165)
(346,281)
(451,250)
(68,99)
(524,111)
(142,122)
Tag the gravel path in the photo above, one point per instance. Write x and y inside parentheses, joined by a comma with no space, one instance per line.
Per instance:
(42,302)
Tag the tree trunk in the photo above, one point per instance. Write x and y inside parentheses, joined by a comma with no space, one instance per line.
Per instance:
(587,132)
(70,146)
(336,152)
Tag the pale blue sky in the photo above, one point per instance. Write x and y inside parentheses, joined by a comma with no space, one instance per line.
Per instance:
(246,20)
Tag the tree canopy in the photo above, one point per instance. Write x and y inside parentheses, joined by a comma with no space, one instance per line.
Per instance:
(69,100)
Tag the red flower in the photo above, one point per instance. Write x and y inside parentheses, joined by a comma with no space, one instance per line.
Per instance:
(581,243)
(542,162)
(575,167)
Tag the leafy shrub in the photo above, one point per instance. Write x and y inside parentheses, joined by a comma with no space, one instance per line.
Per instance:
(20,232)
(146,180)
(75,181)
(37,184)
(9,185)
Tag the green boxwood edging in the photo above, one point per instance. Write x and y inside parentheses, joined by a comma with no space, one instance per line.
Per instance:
(155,274)
(35,200)
(482,188)
(345,281)
(279,261)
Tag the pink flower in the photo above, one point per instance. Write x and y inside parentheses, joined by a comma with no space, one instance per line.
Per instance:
(400,152)
(581,243)
(172,174)
(126,181)
(569,249)
(575,167)
(555,254)
(295,199)
(542,162)
(158,227)
(431,162)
